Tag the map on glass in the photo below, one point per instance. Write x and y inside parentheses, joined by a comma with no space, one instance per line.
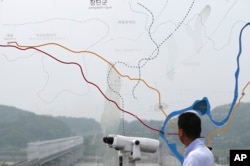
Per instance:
(115,60)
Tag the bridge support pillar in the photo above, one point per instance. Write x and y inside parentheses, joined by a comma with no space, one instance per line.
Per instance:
(51,163)
(61,162)
(75,156)
(70,157)
(78,155)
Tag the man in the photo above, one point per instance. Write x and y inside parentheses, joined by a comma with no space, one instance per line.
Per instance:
(196,152)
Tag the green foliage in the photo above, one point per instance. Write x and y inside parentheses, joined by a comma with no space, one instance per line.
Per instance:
(235,134)
(3,164)
(245,140)
(94,145)
(82,126)
(20,127)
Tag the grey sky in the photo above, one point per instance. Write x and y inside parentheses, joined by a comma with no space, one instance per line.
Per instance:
(185,52)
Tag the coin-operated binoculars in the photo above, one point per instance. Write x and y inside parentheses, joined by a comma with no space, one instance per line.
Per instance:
(130,148)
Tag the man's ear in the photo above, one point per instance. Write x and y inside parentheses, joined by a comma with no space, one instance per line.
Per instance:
(180,132)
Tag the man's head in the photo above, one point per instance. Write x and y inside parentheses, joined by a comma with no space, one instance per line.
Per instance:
(189,125)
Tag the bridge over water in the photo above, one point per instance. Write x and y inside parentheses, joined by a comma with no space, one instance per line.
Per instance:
(58,152)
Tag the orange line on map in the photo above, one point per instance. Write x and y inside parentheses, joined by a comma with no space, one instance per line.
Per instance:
(91,52)
(226,128)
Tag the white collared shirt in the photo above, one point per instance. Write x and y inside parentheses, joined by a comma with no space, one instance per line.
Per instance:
(197,154)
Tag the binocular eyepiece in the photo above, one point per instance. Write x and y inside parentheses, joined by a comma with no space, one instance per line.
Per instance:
(108,140)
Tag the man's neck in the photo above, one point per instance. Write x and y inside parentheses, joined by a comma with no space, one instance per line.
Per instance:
(188,141)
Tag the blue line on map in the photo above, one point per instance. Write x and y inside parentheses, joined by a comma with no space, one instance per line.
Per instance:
(202,107)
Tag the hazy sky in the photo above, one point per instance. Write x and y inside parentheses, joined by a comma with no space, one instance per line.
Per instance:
(163,53)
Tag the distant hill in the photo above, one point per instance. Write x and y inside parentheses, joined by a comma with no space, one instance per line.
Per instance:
(18,127)
(81,126)
(236,133)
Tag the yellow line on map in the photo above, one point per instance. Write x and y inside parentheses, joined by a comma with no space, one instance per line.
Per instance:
(226,128)
(91,52)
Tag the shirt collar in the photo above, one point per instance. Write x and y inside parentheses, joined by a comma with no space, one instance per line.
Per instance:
(193,144)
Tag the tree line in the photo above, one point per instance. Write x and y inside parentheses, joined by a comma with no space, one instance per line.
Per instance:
(19,127)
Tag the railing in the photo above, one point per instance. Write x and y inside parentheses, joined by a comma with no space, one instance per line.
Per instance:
(40,150)
(39,153)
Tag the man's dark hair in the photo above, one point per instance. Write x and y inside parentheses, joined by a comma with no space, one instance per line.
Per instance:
(190,123)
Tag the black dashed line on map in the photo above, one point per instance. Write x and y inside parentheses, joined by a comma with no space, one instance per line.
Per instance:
(158,46)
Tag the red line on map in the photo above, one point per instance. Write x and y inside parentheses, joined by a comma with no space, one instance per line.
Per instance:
(77,64)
